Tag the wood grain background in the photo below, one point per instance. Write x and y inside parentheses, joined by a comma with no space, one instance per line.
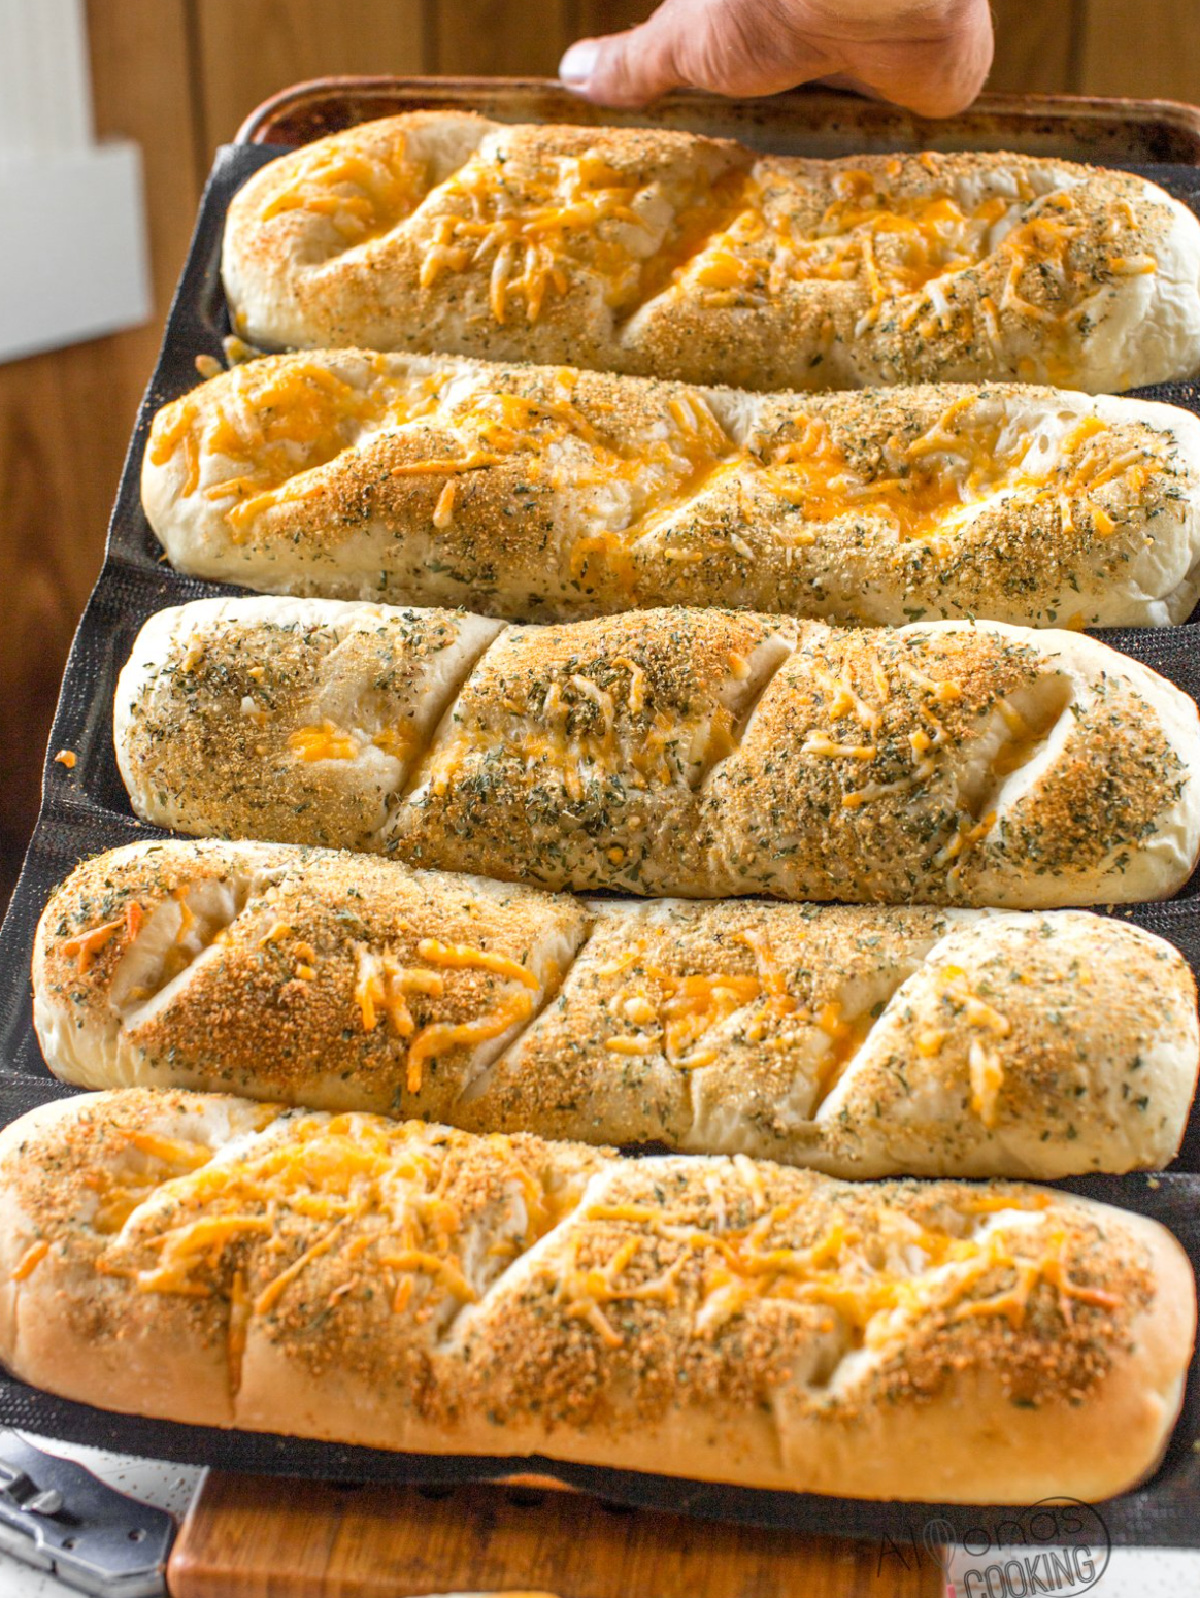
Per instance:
(178,76)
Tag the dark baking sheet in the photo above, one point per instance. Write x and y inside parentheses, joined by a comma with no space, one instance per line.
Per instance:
(85,810)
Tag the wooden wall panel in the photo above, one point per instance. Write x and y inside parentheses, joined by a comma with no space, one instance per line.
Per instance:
(1036,45)
(501,37)
(247,49)
(608,16)
(65,417)
(62,434)
(1141,47)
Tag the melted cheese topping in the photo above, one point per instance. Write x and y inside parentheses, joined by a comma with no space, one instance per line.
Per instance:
(441,1037)
(893,244)
(325,742)
(875,1284)
(384,986)
(268,413)
(279,422)
(83,947)
(87,945)
(963,459)
(533,228)
(985,1067)
(30,1260)
(363,191)
(588,216)
(676,1014)
(682,1012)
(584,215)
(150,1162)
(828,749)
(569,725)
(465,957)
(331,1174)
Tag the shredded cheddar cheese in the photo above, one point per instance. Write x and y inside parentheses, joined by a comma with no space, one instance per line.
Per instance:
(985,1066)
(587,214)
(398,741)
(443,511)
(873,1291)
(363,192)
(636,1045)
(173,1151)
(422,1221)
(1014,1301)
(332,1175)
(86,945)
(440,1037)
(325,742)
(464,956)
(384,986)
(828,749)
(896,245)
(30,1260)
(987,1078)
(260,440)
(681,1015)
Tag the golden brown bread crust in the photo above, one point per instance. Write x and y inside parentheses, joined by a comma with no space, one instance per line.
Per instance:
(645,250)
(202,1259)
(857,1041)
(704,753)
(549,493)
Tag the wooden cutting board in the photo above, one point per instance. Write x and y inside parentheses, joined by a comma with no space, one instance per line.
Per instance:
(250,1537)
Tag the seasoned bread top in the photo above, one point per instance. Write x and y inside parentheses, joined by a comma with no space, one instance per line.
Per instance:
(645,250)
(550,493)
(859,1040)
(697,752)
(508,1292)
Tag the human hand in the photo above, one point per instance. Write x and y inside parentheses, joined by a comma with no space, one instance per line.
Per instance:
(929,55)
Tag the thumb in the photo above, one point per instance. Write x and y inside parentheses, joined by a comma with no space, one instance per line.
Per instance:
(630,68)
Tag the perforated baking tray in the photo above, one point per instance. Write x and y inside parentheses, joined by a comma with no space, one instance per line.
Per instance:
(85,809)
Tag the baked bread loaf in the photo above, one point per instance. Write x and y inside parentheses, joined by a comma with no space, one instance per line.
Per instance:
(207,1259)
(543,494)
(703,753)
(859,1041)
(643,250)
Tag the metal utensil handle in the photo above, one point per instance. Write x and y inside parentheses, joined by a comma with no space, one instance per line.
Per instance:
(56,1516)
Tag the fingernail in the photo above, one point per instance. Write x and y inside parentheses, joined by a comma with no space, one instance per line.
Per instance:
(577,65)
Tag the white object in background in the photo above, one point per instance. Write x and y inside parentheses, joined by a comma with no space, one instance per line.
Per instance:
(73,262)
